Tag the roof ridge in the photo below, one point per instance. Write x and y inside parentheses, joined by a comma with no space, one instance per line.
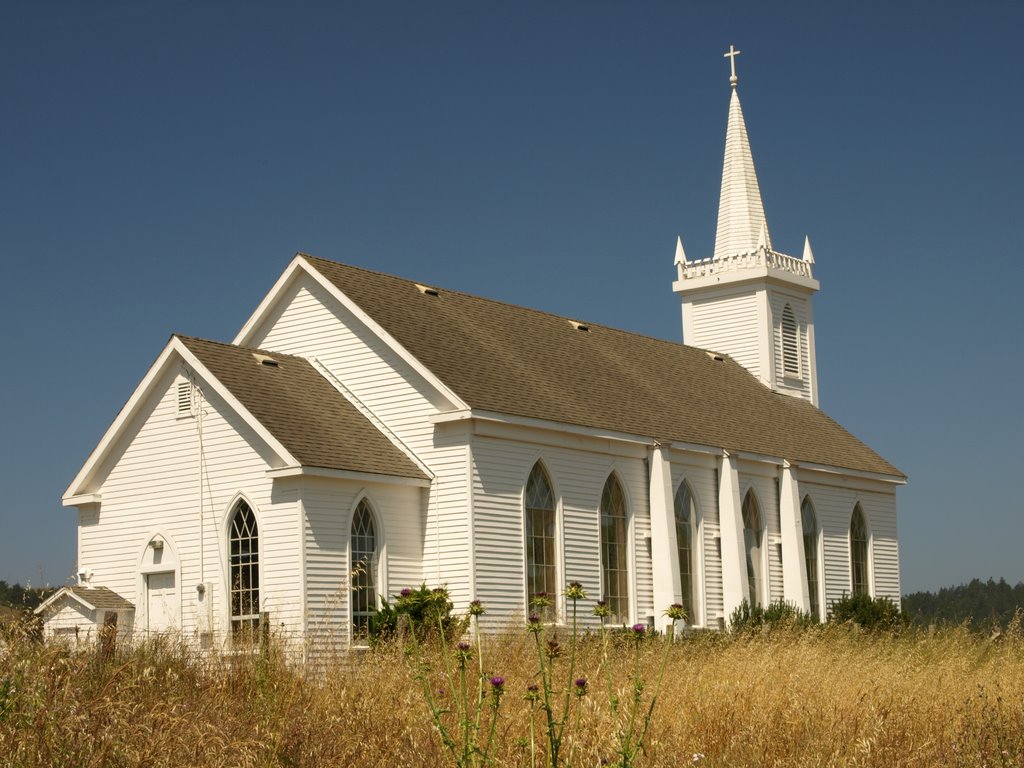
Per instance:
(522,307)
(275,353)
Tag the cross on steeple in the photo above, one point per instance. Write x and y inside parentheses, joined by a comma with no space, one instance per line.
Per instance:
(731,55)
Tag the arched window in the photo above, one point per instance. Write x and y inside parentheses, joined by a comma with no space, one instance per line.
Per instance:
(245,570)
(686,527)
(614,558)
(752,544)
(859,552)
(810,524)
(363,545)
(790,343)
(541,575)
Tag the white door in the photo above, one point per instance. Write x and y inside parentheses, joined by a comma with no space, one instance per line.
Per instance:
(161,602)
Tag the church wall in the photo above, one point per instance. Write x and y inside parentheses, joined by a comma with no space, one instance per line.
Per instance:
(153,488)
(500,470)
(833,505)
(729,324)
(328,506)
(308,321)
(699,472)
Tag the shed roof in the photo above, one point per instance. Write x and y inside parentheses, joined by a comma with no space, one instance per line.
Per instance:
(513,360)
(93,598)
(302,410)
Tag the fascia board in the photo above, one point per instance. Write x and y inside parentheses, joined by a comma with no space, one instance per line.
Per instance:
(60,593)
(123,418)
(233,402)
(542,424)
(245,335)
(857,473)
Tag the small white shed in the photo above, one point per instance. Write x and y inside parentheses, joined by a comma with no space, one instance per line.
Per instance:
(80,613)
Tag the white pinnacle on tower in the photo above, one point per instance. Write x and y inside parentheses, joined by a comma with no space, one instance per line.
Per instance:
(748,300)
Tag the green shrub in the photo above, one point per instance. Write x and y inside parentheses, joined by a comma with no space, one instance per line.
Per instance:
(428,610)
(872,613)
(775,615)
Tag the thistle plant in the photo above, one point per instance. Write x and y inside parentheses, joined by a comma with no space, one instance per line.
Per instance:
(463,741)
(548,651)
(632,723)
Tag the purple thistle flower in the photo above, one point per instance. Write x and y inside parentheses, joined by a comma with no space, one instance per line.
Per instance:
(463,646)
(581,686)
(639,629)
(534,624)
(497,687)
(476,608)
(406,592)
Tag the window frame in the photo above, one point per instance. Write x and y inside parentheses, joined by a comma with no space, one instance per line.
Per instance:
(819,582)
(237,623)
(553,613)
(695,609)
(858,510)
(760,565)
(364,502)
(617,617)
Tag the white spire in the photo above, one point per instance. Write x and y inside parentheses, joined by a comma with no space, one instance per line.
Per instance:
(808,255)
(741,220)
(680,253)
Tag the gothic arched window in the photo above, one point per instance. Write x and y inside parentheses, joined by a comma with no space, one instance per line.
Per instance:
(540,530)
(244,563)
(859,552)
(752,545)
(614,552)
(363,591)
(790,343)
(686,529)
(810,525)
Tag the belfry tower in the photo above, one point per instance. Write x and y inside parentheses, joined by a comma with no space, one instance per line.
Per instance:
(748,300)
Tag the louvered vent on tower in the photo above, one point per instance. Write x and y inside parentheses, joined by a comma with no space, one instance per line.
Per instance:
(790,343)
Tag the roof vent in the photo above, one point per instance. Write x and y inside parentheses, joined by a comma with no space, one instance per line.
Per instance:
(266,360)
(579,326)
(426,289)
(716,357)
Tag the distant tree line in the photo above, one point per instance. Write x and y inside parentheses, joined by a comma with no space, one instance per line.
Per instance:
(982,602)
(23,598)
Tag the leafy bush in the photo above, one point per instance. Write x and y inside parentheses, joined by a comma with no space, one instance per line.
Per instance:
(775,615)
(872,613)
(428,610)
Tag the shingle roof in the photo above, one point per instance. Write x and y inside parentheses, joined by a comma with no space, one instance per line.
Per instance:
(302,410)
(523,362)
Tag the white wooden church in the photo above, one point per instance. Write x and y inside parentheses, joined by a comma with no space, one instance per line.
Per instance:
(364,433)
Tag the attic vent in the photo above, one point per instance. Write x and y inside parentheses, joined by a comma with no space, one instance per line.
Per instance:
(184,398)
(716,358)
(266,360)
(426,289)
(579,326)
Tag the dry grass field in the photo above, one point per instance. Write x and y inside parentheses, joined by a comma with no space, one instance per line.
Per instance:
(823,697)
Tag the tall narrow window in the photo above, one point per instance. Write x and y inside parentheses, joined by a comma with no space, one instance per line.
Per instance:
(541,573)
(859,552)
(810,524)
(245,571)
(752,544)
(614,558)
(363,544)
(686,522)
(790,343)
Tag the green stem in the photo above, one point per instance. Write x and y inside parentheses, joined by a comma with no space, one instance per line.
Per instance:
(670,632)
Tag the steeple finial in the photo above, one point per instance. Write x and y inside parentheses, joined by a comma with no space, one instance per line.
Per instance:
(731,55)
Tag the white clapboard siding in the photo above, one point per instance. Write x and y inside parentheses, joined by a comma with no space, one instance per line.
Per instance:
(730,325)
(834,509)
(311,323)
(500,470)
(153,487)
(328,507)
(704,484)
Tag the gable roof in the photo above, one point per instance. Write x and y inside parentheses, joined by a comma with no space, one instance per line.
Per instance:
(302,410)
(93,598)
(523,362)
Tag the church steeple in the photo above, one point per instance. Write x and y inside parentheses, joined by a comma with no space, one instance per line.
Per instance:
(742,226)
(748,300)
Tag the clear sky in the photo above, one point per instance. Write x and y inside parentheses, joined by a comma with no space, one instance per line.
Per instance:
(161,162)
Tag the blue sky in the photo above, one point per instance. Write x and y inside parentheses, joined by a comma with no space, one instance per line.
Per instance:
(160,163)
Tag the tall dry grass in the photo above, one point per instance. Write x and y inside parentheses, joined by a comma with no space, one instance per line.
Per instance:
(829,697)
